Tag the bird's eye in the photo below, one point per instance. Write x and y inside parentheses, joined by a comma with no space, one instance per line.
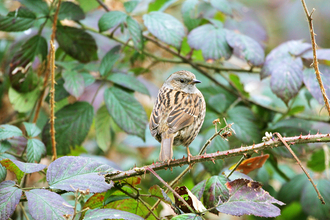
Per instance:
(181,80)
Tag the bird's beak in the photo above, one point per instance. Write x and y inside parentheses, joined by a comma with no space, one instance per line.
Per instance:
(196,81)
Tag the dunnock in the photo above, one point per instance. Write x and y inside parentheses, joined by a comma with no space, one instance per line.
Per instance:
(178,113)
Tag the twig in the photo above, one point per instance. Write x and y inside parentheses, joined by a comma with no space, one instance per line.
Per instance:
(255,148)
(23,210)
(326,160)
(238,163)
(302,167)
(103,5)
(315,62)
(170,188)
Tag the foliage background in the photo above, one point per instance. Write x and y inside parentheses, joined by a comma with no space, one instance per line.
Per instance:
(102,131)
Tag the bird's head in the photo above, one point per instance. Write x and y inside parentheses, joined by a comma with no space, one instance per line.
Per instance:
(182,81)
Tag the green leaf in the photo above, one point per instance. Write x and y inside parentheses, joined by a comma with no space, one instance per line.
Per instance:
(237,82)
(222,5)
(187,217)
(13,168)
(130,5)
(102,128)
(189,14)
(291,191)
(77,43)
(296,110)
(111,19)
(72,125)
(135,32)
(126,111)
(23,102)
(128,82)
(74,82)
(244,124)
(9,131)
(310,202)
(165,27)
(61,92)
(160,5)
(3,173)
(35,150)
(38,6)
(108,60)
(317,161)
(70,11)
(31,129)
(246,48)
(213,44)
(19,20)
(88,78)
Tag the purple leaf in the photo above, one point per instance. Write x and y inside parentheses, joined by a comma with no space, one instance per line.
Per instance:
(312,84)
(222,5)
(287,78)
(322,54)
(79,172)
(100,214)
(44,204)
(165,27)
(285,50)
(211,40)
(246,48)
(247,197)
(9,198)
(29,167)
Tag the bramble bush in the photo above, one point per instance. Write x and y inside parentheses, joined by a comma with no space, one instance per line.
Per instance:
(108,58)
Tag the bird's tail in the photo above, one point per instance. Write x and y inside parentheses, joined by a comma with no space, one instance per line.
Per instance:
(166,149)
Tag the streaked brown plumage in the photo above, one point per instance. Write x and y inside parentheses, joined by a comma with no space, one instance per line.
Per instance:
(178,113)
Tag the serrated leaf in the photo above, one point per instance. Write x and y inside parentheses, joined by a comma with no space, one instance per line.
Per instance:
(23,102)
(73,82)
(102,128)
(187,216)
(9,131)
(126,111)
(323,55)
(38,6)
(312,84)
(13,168)
(222,5)
(246,48)
(311,203)
(77,43)
(156,191)
(247,197)
(128,205)
(43,204)
(135,32)
(36,45)
(287,78)
(215,191)
(111,19)
(72,125)
(35,150)
(32,130)
(100,214)
(70,11)
(284,51)
(189,14)
(245,126)
(128,82)
(213,44)
(9,198)
(19,20)
(109,60)
(78,172)
(165,27)
(131,5)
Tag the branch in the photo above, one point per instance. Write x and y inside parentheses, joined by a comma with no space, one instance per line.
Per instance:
(255,148)
(103,5)
(315,62)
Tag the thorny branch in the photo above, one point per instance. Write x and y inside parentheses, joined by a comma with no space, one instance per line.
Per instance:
(315,62)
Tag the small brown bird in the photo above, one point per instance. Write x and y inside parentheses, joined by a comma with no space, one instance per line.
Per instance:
(178,113)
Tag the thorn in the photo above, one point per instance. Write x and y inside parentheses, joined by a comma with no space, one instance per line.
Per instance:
(218,151)
(256,151)
(292,143)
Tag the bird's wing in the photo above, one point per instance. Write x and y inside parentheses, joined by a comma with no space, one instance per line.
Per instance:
(184,113)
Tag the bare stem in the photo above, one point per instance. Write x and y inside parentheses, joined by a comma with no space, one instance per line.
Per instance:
(302,167)
(315,62)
